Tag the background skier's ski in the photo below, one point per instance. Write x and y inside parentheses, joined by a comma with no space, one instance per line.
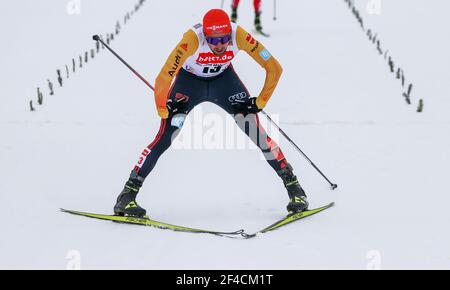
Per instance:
(260,32)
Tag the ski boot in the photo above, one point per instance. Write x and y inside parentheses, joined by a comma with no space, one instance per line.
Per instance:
(126,202)
(233,17)
(298,201)
(258,26)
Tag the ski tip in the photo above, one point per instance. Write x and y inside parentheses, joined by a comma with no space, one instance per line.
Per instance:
(249,236)
(66,210)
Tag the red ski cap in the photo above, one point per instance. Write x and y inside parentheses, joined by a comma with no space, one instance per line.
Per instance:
(216,22)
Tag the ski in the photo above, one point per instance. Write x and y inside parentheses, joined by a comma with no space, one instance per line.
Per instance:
(260,32)
(288,219)
(145,221)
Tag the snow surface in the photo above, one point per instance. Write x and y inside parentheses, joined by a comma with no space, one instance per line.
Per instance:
(337,99)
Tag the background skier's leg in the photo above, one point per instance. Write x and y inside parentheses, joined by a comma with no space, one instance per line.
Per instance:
(257,6)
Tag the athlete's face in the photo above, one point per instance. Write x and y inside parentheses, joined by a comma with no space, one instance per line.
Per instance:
(219,43)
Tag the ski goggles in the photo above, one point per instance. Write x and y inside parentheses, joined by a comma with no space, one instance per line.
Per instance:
(217,40)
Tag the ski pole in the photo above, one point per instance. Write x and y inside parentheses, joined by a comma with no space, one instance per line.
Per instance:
(274,10)
(333,185)
(97,38)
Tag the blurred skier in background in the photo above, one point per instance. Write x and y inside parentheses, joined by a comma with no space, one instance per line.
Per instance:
(199,70)
(256,5)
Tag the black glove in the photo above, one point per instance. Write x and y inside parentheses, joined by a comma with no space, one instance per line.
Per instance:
(247,106)
(179,105)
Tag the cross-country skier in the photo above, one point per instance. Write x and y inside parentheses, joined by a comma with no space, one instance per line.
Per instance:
(199,69)
(256,5)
